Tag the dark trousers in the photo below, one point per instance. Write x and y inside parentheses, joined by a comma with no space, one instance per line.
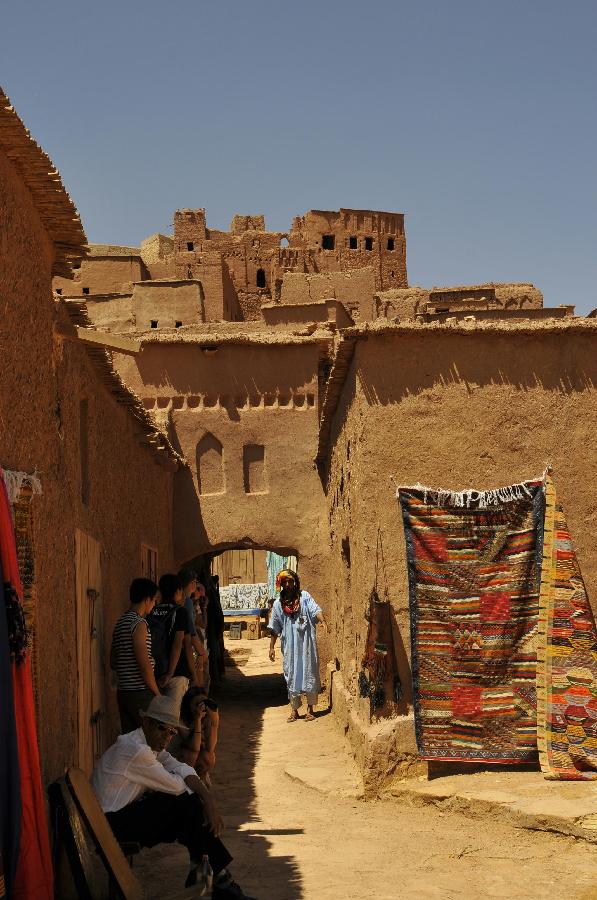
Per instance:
(159,818)
(129,704)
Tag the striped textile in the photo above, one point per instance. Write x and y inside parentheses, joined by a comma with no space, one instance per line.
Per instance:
(126,667)
(504,647)
(474,602)
(567,671)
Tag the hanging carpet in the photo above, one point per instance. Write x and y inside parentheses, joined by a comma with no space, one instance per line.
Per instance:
(504,647)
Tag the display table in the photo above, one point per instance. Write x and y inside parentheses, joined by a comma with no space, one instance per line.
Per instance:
(251,619)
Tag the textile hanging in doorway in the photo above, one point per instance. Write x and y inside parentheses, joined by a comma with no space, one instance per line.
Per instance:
(379,666)
(503,640)
(275,563)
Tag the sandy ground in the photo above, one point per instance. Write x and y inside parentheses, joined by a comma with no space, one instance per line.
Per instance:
(293,842)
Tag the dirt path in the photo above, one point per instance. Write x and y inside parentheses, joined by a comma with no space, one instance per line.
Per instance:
(292,842)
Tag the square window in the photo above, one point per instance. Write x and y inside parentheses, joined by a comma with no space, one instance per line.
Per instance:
(391,243)
(190,245)
(58,290)
(328,241)
(178,324)
(85,290)
(368,243)
(353,243)
(154,323)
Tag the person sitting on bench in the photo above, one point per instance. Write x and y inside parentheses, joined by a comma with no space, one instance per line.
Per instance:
(150,798)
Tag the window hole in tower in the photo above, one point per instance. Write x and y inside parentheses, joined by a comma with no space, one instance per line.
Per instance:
(260,278)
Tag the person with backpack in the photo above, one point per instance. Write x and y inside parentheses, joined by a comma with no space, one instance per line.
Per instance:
(171,640)
(131,657)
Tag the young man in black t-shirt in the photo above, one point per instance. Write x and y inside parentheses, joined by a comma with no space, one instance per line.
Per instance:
(174,681)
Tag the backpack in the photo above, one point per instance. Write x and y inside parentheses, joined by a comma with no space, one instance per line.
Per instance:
(160,622)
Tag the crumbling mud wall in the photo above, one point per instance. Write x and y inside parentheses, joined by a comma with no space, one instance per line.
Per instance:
(450,408)
(43,380)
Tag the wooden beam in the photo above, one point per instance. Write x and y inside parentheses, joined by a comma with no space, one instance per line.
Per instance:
(109,341)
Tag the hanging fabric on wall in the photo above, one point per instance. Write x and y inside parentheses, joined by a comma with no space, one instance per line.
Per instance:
(10,791)
(34,877)
(504,645)
(379,665)
(14,482)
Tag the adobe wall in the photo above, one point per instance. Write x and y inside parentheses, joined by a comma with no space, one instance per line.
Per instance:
(355,289)
(42,381)
(451,410)
(360,237)
(170,304)
(245,417)
(407,303)
(102,275)
(111,312)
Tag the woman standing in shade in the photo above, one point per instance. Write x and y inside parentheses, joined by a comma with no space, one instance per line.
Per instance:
(294,618)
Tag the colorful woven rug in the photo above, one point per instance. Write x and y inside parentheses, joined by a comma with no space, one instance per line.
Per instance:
(503,641)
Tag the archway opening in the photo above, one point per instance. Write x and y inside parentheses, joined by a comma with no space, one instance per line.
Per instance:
(240,583)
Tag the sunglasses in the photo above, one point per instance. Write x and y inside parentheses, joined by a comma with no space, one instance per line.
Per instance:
(165,728)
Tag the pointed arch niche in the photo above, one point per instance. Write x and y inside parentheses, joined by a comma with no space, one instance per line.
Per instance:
(210,465)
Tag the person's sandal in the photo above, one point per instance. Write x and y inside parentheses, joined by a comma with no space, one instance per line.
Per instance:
(293,717)
(309,717)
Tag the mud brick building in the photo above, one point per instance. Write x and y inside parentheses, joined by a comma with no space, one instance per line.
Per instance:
(246,389)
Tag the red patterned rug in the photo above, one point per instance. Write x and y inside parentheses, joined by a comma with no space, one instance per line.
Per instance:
(504,648)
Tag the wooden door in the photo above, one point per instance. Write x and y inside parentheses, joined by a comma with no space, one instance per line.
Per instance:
(90,652)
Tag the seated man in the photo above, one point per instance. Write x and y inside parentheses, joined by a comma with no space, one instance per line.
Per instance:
(151,798)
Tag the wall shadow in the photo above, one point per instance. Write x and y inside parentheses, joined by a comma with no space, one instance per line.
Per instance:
(392,369)
(243,699)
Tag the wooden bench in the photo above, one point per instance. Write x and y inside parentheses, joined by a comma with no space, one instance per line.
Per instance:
(76,813)
(82,828)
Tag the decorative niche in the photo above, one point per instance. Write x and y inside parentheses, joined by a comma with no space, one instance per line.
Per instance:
(254,469)
(210,465)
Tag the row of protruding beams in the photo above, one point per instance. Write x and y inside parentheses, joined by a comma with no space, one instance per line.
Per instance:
(56,209)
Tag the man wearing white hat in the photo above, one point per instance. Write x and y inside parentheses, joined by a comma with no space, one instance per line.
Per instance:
(151,798)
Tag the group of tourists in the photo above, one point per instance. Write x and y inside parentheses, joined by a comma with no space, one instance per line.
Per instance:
(154,782)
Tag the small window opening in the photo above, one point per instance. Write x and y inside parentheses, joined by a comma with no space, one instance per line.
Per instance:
(190,245)
(353,243)
(328,241)
(368,243)
(85,290)
(154,323)
(58,290)
(392,274)
(260,278)
(390,243)
(178,324)
(76,265)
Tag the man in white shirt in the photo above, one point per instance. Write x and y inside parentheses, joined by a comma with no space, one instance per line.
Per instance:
(151,798)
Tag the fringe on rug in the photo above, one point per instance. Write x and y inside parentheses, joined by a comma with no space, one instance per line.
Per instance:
(478,499)
(14,482)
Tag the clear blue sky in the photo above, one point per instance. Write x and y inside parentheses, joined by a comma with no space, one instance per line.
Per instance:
(476,119)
